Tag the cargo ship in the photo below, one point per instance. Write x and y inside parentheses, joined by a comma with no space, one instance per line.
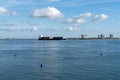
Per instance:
(41,37)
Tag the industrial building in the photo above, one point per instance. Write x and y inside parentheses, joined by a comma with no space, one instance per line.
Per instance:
(84,36)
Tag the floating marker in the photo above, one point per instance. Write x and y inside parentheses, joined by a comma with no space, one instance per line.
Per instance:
(101,54)
(41,65)
(15,55)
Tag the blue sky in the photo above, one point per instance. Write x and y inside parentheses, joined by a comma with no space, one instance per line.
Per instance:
(68,18)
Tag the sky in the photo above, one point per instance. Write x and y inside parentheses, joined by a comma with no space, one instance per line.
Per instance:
(67,18)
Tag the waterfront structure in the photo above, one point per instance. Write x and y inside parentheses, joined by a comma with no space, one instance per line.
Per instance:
(111,36)
(84,36)
(98,36)
(102,36)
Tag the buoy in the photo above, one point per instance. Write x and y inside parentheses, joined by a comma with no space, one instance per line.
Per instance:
(15,55)
(41,65)
(101,54)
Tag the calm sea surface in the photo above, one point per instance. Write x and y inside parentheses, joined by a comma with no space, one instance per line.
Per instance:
(62,60)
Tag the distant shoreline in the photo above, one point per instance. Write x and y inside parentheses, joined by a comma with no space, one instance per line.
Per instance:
(93,39)
(64,39)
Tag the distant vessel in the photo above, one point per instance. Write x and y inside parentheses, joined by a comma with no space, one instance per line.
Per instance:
(41,37)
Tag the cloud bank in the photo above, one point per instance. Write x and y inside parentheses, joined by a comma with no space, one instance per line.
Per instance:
(101,17)
(3,10)
(49,12)
(79,19)
(85,18)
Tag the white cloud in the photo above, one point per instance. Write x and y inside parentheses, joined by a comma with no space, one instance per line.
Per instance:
(8,29)
(13,13)
(75,20)
(83,19)
(72,28)
(80,18)
(69,20)
(3,10)
(49,12)
(86,17)
(56,29)
(34,29)
(80,21)
(101,17)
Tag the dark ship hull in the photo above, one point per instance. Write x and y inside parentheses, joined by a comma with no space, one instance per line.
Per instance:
(49,38)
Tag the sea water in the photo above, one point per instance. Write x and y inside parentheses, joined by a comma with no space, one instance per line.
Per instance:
(61,60)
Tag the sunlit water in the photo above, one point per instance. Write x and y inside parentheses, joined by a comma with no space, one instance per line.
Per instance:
(62,60)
